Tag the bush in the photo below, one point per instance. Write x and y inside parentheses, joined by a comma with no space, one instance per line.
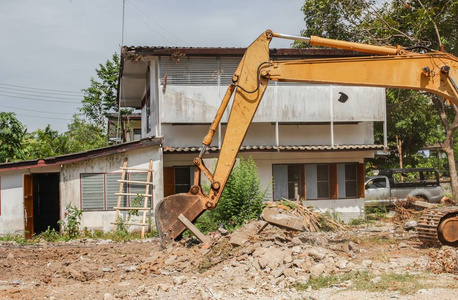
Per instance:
(242,198)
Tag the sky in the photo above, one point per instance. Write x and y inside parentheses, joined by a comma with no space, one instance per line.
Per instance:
(51,48)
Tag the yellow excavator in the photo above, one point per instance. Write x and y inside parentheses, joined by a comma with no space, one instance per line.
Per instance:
(392,67)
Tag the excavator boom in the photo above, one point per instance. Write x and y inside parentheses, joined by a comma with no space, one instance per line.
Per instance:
(390,67)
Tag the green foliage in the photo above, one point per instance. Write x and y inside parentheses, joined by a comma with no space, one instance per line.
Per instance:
(100,98)
(50,235)
(357,222)
(71,222)
(12,133)
(46,143)
(242,198)
(361,281)
(83,135)
(376,212)
(18,238)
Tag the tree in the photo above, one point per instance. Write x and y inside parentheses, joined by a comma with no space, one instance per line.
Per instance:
(425,23)
(100,98)
(46,143)
(83,135)
(12,133)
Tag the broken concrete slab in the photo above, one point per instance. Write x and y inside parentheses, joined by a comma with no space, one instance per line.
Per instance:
(283,219)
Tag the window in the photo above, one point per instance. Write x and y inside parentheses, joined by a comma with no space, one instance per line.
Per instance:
(183,178)
(137,134)
(376,183)
(98,191)
(322,181)
(351,181)
(287,181)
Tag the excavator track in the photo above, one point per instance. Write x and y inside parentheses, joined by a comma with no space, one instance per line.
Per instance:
(430,229)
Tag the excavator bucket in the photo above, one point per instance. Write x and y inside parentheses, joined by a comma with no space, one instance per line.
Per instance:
(170,208)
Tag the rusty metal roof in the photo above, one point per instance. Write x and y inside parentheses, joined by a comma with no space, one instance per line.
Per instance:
(80,156)
(268,148)
(134,52)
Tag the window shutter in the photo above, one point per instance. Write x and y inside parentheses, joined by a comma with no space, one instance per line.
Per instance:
(92,191)
(361,174)
(111,188)
(280,181)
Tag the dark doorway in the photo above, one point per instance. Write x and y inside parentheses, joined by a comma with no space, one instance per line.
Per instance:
(45,202)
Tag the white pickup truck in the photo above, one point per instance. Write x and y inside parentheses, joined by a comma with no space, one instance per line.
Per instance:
(392,184)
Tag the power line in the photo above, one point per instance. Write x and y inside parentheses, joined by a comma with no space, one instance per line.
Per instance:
(18,90)
(42,100)
(46,96)
(22,115)
(38,111)
(157,24)
(33,88)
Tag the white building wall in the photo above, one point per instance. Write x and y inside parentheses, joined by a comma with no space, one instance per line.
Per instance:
(282,103)
(345,208)
(70,185)
(12,201)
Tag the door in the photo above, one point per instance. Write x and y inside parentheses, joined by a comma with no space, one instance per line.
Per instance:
(28,205)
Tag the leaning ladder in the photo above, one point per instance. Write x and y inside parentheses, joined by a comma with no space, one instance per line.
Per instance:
(146,195)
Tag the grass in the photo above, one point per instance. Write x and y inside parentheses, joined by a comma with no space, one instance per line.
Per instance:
(52,236)
(361,281)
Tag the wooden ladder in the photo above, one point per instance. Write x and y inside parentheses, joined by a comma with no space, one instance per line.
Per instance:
(146,196)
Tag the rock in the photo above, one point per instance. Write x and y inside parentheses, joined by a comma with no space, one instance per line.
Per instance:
(353,246)
(410,225)
(170,260)
(252,291)
(222,231)
(280,270)
(272,258)
(106,270)
(402,245)
(366,263)
(376,280)
(289,273)
(283,219)
(108,296)
(317,256)
(131,269)
(296,249)
(179,280)
(10,256)
(342,264)
(317,270)
(260,251)
(296,241)
(238,239)
(163,287)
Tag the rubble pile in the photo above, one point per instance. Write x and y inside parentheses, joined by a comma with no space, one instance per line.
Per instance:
(260,259)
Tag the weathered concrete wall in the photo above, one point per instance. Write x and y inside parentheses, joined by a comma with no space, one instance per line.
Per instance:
(282,103)
(264,134)
(343,209)
(71,185)
(12,201)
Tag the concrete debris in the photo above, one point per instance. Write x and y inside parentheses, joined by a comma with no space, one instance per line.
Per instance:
(283,219)
(410,225)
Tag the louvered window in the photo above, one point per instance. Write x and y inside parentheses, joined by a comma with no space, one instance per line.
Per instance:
(197,70)
(98,191)
(92,191)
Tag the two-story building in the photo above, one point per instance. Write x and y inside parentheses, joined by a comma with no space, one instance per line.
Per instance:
(307,140)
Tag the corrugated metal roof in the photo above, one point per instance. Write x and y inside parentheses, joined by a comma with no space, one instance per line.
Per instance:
(74,157)
(267,148)
(133,52)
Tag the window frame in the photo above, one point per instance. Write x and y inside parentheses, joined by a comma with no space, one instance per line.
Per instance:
(104,187)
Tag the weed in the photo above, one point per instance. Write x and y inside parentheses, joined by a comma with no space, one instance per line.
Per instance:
(18,238)
(357,222)
(362,281)
(71,222)
(50,235)
(377,212)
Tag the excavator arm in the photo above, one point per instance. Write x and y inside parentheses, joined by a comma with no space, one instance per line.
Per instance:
(391,67)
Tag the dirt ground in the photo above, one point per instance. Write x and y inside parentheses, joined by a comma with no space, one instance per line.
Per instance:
(246,264)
